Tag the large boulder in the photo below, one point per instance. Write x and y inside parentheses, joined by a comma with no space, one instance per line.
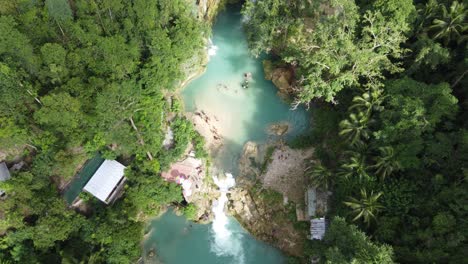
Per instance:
(283,78)
(278,129)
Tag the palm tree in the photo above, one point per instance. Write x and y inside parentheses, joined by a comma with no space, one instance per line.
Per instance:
(355,128)
(451,24)
(362,102)
(319,175)
(369,101)
(366,207)
(356,166)
(386,163)
(426,13)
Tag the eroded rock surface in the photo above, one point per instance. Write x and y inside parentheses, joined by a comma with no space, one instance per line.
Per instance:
(279,129)
(282,77)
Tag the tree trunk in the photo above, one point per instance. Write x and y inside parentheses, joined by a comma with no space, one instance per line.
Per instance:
(30,93)
(459,79)
(140,138)
(61,30)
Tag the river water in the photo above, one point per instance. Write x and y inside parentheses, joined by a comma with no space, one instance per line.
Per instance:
(244,115)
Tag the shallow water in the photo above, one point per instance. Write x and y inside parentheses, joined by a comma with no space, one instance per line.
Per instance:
(244,115)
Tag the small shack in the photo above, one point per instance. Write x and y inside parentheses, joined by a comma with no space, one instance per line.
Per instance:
(318,227)
(4,175)
(107,182)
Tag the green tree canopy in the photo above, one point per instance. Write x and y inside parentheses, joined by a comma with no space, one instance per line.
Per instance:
(346,244)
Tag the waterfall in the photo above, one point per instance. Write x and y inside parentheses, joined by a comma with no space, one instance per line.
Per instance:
(212,48)
(225,242)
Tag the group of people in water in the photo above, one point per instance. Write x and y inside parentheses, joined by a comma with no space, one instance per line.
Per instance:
(247,77)
(244,84)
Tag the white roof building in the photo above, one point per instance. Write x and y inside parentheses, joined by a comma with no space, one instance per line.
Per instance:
(318,227)
(107,181)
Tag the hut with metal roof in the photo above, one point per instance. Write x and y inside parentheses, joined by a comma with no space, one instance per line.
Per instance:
(107,182)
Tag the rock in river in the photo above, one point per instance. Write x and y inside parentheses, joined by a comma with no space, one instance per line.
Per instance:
(278,129)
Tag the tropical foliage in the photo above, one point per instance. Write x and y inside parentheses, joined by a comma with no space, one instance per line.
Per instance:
(80,77)
(386,81)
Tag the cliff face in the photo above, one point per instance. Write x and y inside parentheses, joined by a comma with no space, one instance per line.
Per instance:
(207,9)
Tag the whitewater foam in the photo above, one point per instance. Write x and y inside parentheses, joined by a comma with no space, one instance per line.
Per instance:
(212,49)
(225,242)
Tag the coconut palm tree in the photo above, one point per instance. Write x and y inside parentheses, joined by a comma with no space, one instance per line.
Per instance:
(366,207)
(426,13)
(386,163)
(451,23)
(355,166)
(362,102)
(355,128)
(319,175)
(369,101)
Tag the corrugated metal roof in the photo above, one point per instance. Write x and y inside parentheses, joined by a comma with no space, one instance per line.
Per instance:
(105,179)
(317,228)
(4,172)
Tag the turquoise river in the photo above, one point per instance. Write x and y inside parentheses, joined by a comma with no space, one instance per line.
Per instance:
(244,115)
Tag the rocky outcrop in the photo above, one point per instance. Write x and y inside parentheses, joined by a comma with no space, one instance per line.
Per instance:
(208,9)
(271,184)
(203,198)
(207,125)
(278,129)
(265,219)
(251,161)
(282,78)
(268,69)
(242,205)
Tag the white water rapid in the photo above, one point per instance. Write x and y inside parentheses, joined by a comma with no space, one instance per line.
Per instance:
(212,48)
(226,243)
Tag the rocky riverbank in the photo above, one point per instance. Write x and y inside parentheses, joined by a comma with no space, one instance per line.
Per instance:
(270,190)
